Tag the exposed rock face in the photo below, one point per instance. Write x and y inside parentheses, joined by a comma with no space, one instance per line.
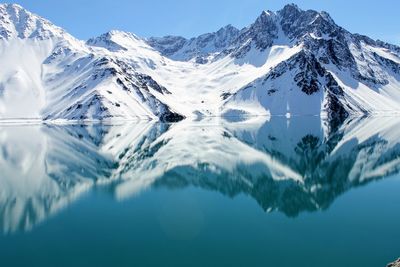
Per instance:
(308,76)
(198,48)
(260,34)
(94,104)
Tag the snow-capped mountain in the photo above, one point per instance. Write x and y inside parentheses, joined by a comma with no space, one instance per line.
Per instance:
(289,62)
(198,48)
(286,165)
(48,74)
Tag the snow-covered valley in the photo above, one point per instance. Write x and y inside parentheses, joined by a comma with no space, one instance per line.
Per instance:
(289,62)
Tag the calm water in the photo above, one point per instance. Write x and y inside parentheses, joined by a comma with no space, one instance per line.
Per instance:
(283,192)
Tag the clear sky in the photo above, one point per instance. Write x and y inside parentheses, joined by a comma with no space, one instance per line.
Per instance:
(88,18)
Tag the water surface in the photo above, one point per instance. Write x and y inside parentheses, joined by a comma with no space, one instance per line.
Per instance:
(276,192)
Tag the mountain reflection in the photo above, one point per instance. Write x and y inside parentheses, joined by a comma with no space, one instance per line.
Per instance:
(290,165)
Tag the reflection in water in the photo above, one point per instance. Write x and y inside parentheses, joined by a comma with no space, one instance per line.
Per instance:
(295,165)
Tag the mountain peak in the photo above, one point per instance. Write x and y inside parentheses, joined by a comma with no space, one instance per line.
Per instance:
(122,34)
(265,19)
(228,27)
(265,14)
(11,6)
(297,23)
(16,21)
(292,12)
(14,13)
(290,9)
(227,32)
(114,40)
(292,6)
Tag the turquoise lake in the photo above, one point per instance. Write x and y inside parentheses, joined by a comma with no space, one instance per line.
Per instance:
(255,192)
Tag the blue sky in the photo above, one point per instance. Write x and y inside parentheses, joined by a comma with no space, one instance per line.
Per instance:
(88,18)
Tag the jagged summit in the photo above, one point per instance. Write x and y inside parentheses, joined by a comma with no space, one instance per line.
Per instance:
(113,40)
(198,48)
(15,21)
(291,22)
(13,8)
(291,9)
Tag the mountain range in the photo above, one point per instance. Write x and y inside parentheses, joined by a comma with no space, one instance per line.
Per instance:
(289,62)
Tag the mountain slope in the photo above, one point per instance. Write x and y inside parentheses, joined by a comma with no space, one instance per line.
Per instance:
(26,41)
(47,74)
(289,62)
(339,73)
